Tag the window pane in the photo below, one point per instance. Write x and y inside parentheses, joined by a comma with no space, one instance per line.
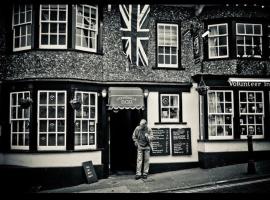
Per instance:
(43,140)
(223,51)
(61,98)
(249,29)
(52,111)
(223,40)
(84,126)
(52,140)
(213,30)
(60,125)
(62,39)
(43,126)
(42,111)
(213,41)
(257,29)
(52,126)
(62,28)
(174,59)
(167,59)
(53,39)
(45,15)
(84,139)
(53,28)
(52,98)
(213,52)
(240,40)
(77,139)
(53,15)
(174,113)
(62,15)
(61,140)
(165,100)
(61,112)
(92,112)
(44,39)
(240,28)
(77,126)
(161,59)
(85,112)
(222,29)
(165,113)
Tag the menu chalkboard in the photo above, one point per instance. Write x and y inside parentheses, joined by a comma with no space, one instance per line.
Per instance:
(161,142)
(181,141)
(89,172)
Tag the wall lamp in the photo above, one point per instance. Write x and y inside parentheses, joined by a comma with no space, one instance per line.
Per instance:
(104,93)
(146,93)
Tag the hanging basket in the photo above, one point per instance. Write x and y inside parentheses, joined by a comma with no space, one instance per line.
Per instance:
(25,103)
(76,104)
(202,90)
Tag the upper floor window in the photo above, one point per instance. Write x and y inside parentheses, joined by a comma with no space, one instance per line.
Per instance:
(268,27)
(169,107)
(19,121)
(249,39)
(53,26)
(167,50)
(22,23)
(86,27)
(218,41)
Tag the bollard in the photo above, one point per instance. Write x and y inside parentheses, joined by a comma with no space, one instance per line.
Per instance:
(251,162)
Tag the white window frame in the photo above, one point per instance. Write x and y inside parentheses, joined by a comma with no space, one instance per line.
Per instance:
(163,45)
(268,40)
(218,137)
(217,36)
(51,46)
(251,35)
(253,114)
(11,119)
(175,120)
(47,118)
(25,23)
(95,119)
(81,27)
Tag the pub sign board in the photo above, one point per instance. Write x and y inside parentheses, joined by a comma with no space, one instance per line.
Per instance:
(181,141)
(89,172)
(161,142)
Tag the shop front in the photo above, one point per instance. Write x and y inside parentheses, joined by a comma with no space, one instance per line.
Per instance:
(233,108)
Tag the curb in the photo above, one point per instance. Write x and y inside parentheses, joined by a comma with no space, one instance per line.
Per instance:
(213,183)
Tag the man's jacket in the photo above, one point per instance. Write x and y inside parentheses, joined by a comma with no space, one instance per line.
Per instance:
(142,137)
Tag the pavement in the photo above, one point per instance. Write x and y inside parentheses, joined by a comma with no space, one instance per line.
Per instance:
(186,179)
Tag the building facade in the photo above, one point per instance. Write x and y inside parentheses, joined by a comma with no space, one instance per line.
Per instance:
(70,95)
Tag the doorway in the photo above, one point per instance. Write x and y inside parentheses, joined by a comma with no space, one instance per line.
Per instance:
(123,152)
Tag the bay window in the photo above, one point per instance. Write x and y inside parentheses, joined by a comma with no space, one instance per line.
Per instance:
(51,120)
(251,107)
(249,39)
(53,26)
(86,120)
(22,26)
(218,41)
(86,27)
(19,121)
(220,114)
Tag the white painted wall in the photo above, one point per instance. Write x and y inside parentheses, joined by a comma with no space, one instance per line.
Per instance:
(190,115)
(232,146)
(43,159)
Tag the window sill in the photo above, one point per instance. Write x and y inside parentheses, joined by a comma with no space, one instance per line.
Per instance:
(51,151)
(168,68)
(68,49)
(170,123)
(232,140)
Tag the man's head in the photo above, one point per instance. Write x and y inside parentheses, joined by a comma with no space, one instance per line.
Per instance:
(143,123)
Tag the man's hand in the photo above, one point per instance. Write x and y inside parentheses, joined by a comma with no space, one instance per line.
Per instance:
(136,144)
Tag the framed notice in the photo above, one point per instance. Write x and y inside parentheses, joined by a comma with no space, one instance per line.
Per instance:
(161,142)
(89,172)
(181,141)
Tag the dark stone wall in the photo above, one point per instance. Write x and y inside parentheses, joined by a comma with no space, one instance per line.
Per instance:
(113,65)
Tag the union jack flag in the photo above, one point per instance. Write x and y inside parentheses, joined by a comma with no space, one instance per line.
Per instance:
(135,32)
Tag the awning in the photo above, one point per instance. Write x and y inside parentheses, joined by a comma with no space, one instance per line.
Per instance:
(126,98)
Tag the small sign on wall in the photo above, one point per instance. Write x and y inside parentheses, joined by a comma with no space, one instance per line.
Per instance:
(196,47)
(89,172)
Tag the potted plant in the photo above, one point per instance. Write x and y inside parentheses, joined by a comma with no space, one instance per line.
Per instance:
(25,103)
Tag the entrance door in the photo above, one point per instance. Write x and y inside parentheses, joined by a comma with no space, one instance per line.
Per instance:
(122,150)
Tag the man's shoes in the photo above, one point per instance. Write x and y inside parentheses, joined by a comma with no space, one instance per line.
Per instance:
(144,176)
(137,177)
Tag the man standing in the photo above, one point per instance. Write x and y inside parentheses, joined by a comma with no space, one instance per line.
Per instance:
(142,137)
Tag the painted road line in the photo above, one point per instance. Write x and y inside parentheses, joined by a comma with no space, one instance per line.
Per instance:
(215,187)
